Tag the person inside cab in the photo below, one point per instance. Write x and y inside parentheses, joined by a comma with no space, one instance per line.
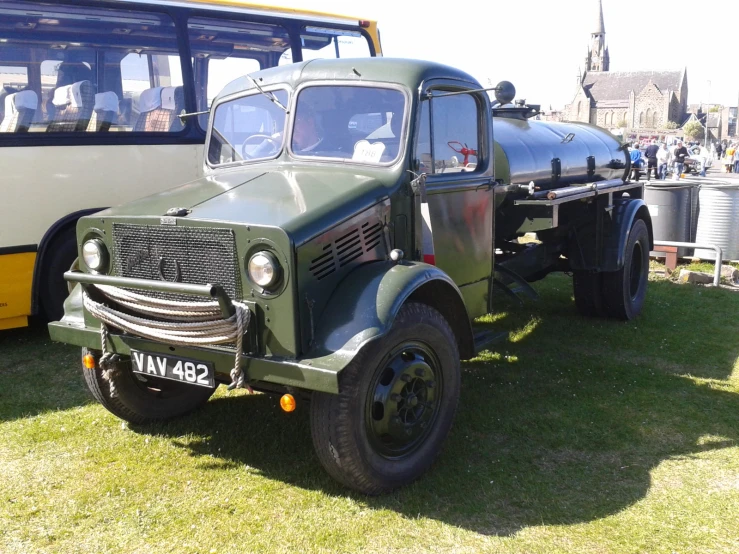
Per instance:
(307,132)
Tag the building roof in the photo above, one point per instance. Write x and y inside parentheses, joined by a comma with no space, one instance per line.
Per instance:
(616,85)
(693,117)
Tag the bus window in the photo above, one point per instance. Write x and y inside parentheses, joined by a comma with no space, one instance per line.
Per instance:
(13,77)
(323,42)
(90,67)
(224,50)
(222,72)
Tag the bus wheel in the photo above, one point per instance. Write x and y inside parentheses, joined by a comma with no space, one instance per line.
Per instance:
(396,405)
(61,254)
(625,290)
(141,399)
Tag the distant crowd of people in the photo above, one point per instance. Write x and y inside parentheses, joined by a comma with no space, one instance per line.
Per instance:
(728,155)
(681,158)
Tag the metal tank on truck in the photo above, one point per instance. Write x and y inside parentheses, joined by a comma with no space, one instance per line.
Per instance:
(354,218)
(550,155)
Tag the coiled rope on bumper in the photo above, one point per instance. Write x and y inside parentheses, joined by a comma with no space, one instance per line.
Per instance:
(181,323)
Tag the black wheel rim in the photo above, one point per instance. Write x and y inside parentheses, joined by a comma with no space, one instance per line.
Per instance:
(403,400)
(637,266)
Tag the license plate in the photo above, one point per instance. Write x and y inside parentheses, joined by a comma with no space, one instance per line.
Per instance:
(192,372)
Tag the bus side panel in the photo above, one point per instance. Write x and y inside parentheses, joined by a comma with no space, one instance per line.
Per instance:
(42,184)
(16,276)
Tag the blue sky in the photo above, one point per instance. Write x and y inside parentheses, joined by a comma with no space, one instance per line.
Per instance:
(539,44)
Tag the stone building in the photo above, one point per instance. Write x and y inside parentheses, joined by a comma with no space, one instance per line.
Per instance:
(635,100)
(728,123)
(711,123)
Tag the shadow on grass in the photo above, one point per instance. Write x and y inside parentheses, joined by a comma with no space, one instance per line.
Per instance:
(561,424)
(38,375)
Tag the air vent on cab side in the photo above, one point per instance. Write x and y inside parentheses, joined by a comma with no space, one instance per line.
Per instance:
(372,235)
(351,245)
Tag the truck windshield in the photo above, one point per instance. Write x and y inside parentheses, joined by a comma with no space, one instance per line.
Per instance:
(353,123)
(248,128)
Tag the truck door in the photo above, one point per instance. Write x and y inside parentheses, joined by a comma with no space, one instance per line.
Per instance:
(452,148)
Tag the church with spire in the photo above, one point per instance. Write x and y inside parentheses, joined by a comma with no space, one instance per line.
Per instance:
(598,58)
(634,100)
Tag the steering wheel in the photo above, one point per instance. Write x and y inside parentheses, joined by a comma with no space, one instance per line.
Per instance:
(260,138)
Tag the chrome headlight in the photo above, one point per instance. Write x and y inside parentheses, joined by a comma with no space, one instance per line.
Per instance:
(95,255)
(264,270)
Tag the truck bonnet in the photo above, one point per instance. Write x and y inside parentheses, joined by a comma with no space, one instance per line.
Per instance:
(303,201)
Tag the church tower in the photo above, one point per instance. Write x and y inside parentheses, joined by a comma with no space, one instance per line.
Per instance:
(598,58)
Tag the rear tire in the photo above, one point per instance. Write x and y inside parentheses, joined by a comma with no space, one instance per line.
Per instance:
(144,399)
(625,290)
(61,254)
(588,289)
(396,406)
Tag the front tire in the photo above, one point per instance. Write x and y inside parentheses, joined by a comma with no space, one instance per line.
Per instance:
(625,290)
(397,402)
(143,399)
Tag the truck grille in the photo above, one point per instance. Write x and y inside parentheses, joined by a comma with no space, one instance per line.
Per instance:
(195,255)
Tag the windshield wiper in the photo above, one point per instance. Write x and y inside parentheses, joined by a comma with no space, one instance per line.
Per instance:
(269,95)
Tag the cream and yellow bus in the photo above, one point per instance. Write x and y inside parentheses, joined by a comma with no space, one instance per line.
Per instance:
(91,94)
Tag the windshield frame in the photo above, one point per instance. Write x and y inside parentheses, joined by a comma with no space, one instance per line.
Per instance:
(363,84)
(236,96)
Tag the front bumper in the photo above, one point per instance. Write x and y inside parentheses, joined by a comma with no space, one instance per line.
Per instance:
(74,329)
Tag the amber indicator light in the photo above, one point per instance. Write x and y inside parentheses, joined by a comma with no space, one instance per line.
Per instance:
(88,360)
(287,403)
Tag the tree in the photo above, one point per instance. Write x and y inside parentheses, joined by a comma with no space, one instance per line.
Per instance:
(714,109)
(622,124)
(670,125)
(693,130)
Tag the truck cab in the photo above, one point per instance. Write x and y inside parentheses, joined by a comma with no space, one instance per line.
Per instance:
(354,218)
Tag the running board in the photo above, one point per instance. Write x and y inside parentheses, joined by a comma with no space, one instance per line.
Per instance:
(485,338)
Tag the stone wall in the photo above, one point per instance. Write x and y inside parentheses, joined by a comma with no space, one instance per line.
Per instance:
(579,109)
(649,108)
(676,112)
(609,118)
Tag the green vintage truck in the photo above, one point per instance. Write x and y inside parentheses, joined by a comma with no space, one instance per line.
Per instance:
(353,219)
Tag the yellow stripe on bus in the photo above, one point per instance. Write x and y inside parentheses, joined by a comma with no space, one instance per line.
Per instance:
(16,278)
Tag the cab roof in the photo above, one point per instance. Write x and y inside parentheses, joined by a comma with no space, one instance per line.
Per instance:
(406,72)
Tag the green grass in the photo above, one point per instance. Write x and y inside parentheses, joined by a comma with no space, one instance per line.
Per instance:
(575,435)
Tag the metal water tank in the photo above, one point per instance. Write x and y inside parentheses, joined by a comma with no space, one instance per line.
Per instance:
(673,206)
(718,220)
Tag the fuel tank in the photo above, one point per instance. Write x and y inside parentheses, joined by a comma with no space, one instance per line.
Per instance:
(555,155)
